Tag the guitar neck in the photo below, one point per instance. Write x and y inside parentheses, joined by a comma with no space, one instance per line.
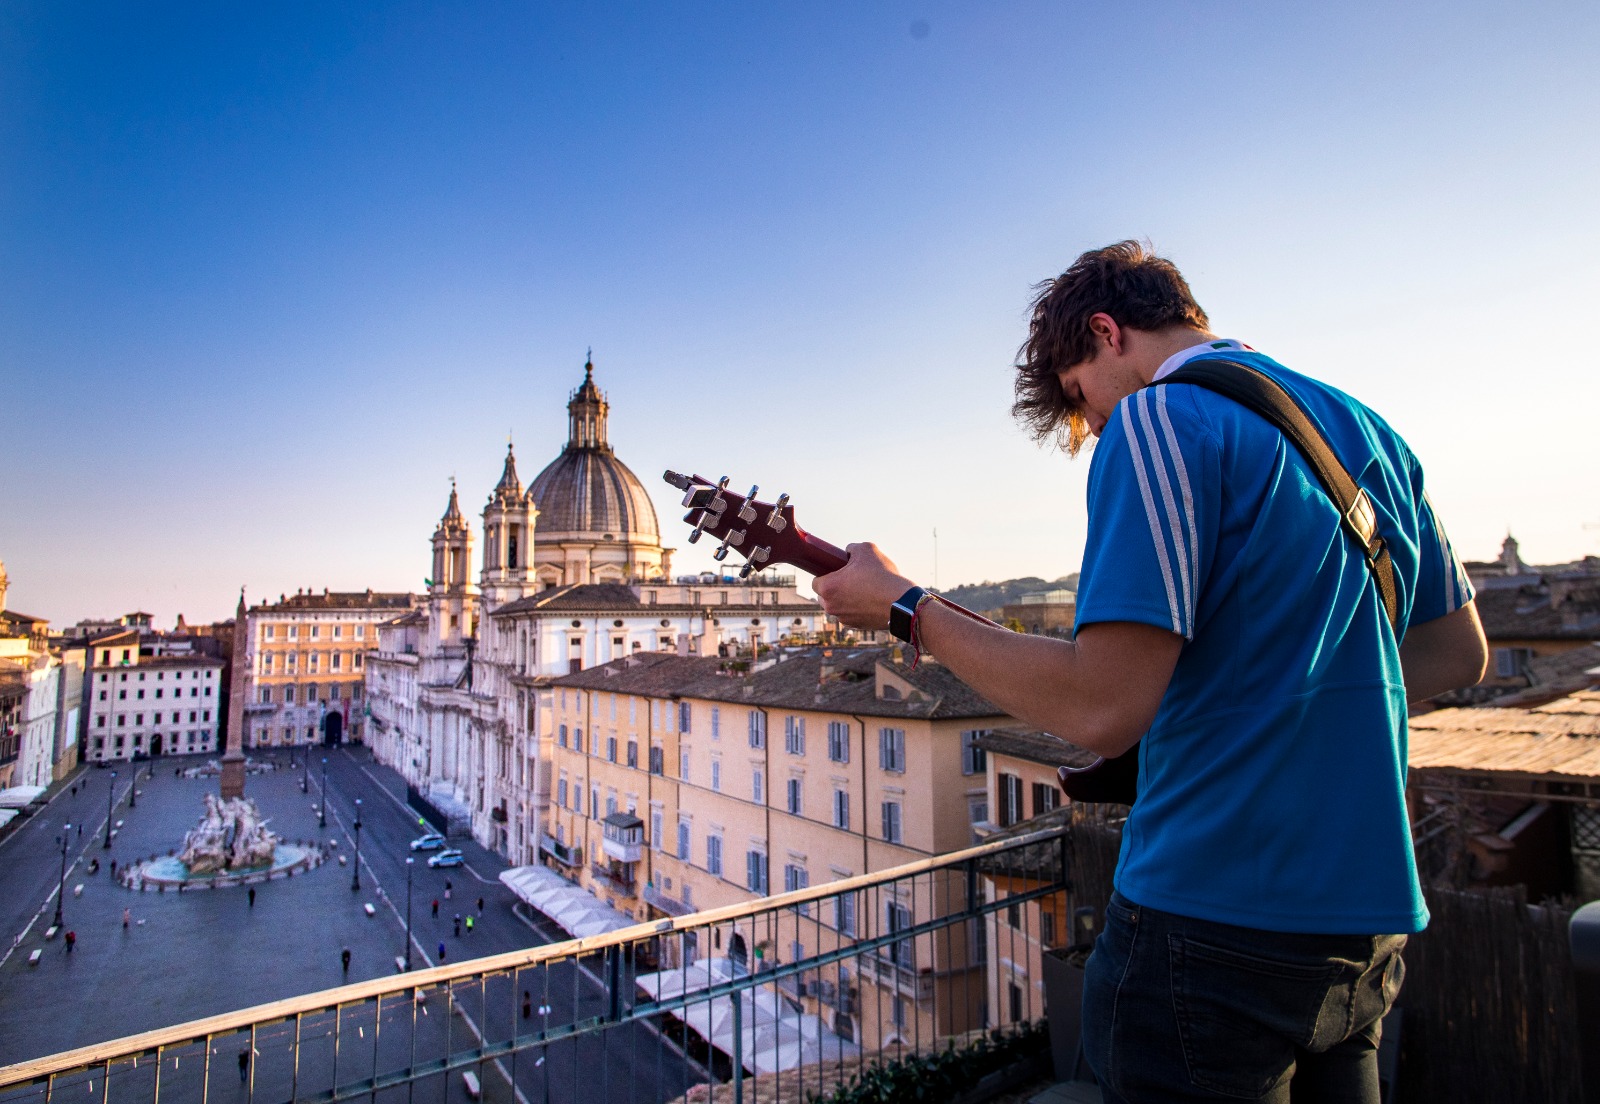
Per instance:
(815,555)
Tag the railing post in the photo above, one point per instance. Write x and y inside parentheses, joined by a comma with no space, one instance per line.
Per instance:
(738,1047)
(1584,937)
(614,982)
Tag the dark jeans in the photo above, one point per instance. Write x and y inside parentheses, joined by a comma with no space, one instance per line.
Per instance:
(1176,1009)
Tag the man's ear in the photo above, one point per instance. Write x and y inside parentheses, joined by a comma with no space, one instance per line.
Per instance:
(1107,334)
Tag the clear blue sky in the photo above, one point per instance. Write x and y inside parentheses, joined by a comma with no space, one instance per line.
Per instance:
(270,275)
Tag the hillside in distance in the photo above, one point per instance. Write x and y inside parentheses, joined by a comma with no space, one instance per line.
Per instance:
(986,595)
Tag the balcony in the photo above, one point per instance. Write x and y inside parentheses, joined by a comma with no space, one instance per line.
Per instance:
(615,880)
(571,856)
(624,837)
(714,1020)
(668,904)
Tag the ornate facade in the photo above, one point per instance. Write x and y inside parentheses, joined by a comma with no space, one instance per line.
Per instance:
(572,575)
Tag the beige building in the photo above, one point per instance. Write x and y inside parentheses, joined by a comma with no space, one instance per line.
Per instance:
(307,658)
(682,786)
(142,706)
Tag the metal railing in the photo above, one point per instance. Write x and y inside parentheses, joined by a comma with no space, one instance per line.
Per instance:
(803,989)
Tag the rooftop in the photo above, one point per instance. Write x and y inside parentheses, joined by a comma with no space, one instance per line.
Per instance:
(332,600)
(833,680)
(1037,747)
(1557,740)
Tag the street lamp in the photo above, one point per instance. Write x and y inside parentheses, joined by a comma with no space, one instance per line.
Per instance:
(61,887)
(305,771)
(111,799)
(410,862)
(133,788)
(322,821)
(355,879)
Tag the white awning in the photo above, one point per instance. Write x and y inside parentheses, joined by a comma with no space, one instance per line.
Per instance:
(20,797)
(577,911)
(773,1036)
(7,816)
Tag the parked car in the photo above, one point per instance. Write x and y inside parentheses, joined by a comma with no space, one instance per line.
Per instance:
(429,841)
(448,857)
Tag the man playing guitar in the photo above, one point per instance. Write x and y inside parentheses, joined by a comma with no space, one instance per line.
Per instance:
(1227,626)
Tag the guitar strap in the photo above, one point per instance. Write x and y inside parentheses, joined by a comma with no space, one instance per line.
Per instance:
(1257,391)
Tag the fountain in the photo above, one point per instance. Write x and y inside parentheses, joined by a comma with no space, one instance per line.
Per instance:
(231,845)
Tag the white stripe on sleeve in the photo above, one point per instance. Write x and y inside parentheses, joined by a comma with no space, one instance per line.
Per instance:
(1150,514)
(1188,499)
(1179,546)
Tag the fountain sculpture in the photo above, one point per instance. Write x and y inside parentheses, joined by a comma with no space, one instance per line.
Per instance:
(231,836)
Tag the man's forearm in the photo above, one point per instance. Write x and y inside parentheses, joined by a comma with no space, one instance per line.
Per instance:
(1099,692)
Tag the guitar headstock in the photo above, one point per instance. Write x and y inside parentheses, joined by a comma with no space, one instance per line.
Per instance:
(764,533)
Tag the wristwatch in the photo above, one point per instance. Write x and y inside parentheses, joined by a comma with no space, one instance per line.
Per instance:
(904,611)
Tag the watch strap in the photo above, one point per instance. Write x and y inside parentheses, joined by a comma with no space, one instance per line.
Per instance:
(902,615)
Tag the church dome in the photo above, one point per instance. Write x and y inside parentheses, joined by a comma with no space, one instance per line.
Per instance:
(587,490)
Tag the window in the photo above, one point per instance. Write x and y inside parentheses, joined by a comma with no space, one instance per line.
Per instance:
(758,728)
(794,796)
(683,716)
(714,855)
(656,757)
(561,792)
(891,821)
(1511,662)
(716,775)
(974,760)
(358,660)
(633,710)
(338,631)
(611,748)
(1010,795)
(838,742)
(841,809)
(797,877)
(316,631)
(794,735)
(844,913)
(633,753)
(892,749)
(316,661)
(683,840)
(338,661)
(755,786)
(655,829)
(755,872)
(561,735)
(683,764)
(1045,798)
(897,918)
(594,802)
(611,803)
(266,694)
(288,694)
(577,739)
(716,723)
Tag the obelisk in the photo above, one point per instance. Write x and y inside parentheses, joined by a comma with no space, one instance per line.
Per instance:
(233,751)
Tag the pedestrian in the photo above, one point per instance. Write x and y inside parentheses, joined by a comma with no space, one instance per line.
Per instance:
(447,888)
(344,960)
(127,918)
(80,831)
(436,908)
(252,896)
(469,923)
(458,925)
(72,941)
(480,906)
(527,1005)
(113,868)
(244,1065)
(441,952)
(74,789)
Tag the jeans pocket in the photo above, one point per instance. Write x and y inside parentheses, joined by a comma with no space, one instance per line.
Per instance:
(1241,1014)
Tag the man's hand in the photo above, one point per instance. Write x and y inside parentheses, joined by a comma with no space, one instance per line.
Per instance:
(860,593)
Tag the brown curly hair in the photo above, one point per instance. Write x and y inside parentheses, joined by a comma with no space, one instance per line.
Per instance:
(1127,281)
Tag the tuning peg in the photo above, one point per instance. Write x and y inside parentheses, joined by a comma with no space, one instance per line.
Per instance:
(775,520)
(682,482)
(735,538)
(699,526)
(758,556)
(747,512)
(717,502)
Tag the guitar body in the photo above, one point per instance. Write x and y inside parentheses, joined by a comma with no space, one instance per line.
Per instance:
(1115,780)
(766,534)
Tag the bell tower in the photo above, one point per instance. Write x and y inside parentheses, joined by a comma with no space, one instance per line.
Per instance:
(452,599)
(508,522)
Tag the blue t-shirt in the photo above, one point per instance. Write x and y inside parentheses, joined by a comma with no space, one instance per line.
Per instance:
(1272,782)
